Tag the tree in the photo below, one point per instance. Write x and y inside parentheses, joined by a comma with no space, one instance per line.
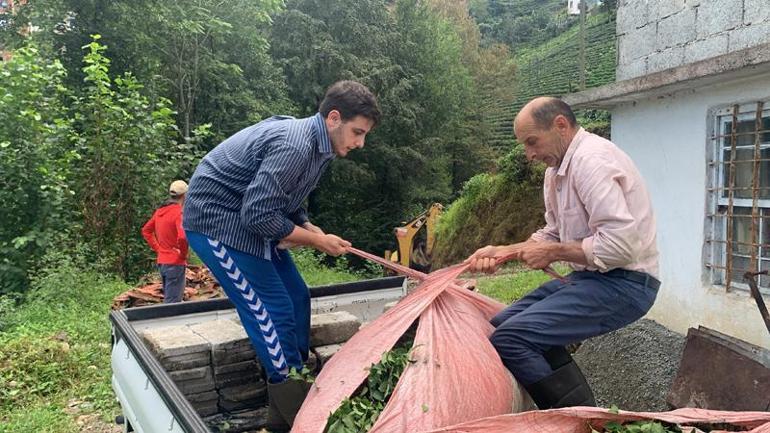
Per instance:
(35,159)
(127,155)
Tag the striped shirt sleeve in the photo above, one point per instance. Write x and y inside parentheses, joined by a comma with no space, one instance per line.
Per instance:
(268,194)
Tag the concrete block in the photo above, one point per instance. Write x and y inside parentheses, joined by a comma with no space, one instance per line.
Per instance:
(666,59)
(331,328)
(325,353)
(675,30)
(660,9)
(636,68)
(632,15)
(244,392)
(171,341)
(237,378)
(190,374)
(242,366)
(196,386)
(206,409)
(637,44)
(717,16)
(240,421)
(750,36)
(223,357)
(202,397)
(231,406)
(222,334)
(755,11)
(185,362)
(705,49)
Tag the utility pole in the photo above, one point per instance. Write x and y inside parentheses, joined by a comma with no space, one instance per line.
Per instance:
(582,72)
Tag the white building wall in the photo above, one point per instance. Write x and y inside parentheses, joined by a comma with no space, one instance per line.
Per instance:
(654,35)
(667,138)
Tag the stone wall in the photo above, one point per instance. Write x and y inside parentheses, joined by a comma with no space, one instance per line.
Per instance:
(654,35)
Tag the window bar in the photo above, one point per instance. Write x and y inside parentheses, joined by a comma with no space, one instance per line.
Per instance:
(754,266)
(730,193)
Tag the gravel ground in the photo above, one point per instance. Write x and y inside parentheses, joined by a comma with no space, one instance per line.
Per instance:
(633,367)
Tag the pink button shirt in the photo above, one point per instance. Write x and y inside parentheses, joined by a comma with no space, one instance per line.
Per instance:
(597,196)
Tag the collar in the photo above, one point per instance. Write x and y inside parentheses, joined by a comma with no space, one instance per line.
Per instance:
(322,135)
(573,145)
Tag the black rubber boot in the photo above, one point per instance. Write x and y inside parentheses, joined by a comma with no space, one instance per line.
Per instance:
(285,400)
(565,387)
(275,422)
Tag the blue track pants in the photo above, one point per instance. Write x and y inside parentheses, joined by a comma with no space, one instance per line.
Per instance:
(271,298)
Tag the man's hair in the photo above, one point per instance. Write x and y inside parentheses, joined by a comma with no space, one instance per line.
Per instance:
(351,99)
(544,113)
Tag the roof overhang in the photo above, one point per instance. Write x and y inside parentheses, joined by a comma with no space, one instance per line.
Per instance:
(746,63)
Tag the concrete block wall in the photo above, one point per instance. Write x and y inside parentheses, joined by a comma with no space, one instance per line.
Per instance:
(654,35)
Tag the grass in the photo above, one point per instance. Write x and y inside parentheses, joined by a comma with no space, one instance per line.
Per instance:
(56,352)
(513,282)
(55,357)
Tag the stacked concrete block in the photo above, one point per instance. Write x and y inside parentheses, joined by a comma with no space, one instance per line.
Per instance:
(214,364)
(186,356)
(237,373)
(332,328)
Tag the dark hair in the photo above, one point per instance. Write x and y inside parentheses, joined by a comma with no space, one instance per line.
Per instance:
(544,113)
(351,99)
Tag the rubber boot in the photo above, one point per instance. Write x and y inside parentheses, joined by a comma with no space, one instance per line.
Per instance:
(285,400)
(275,422)
(565,387)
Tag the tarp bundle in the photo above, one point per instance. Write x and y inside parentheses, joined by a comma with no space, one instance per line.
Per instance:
(457,375)
(583,419)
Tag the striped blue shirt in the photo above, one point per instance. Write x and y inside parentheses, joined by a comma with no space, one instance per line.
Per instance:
(249,190)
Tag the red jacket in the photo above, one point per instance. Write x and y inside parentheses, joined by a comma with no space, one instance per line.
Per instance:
(164,233)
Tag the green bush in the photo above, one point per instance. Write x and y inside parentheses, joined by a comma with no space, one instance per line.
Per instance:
(36,154)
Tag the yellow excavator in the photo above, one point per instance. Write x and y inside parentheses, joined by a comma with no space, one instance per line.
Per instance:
(415,248)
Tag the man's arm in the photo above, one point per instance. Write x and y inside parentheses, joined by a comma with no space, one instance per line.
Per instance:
(181,238)
(267,196)
(615,241)
(148,233)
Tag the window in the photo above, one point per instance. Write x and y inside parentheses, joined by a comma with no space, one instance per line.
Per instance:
(738,233)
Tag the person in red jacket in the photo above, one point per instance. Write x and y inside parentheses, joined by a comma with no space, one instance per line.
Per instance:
(164,233)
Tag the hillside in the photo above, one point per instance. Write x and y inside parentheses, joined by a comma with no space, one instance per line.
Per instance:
(506,206)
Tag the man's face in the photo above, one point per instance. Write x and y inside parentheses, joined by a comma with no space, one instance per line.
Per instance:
(347,135)
(544,145)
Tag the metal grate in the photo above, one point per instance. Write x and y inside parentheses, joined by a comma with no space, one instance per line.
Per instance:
(738,239)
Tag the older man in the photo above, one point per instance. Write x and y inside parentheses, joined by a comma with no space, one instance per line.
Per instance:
(599,220)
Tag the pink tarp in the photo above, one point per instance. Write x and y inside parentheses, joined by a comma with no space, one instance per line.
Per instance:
(582,419)
(456,375)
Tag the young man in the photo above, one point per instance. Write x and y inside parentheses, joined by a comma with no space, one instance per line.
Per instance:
(163,232)
(598,219)
(244,209)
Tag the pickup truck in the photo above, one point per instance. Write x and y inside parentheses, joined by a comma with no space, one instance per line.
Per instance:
(150,400)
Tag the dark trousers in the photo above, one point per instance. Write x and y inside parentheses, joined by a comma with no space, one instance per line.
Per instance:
(173,282)
(558,314)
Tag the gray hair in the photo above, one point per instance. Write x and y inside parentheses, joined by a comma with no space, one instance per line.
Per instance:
(544,112)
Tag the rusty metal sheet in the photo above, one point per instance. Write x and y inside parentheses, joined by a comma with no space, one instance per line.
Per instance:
(721,372)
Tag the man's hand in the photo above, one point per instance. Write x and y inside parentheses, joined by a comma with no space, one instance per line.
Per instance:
(332,245)
(485,259)
(538,255)
(313,228)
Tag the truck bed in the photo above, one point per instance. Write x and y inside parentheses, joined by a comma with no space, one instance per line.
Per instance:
(149,398)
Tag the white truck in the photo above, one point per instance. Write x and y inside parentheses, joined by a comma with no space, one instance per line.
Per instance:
(150,400)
